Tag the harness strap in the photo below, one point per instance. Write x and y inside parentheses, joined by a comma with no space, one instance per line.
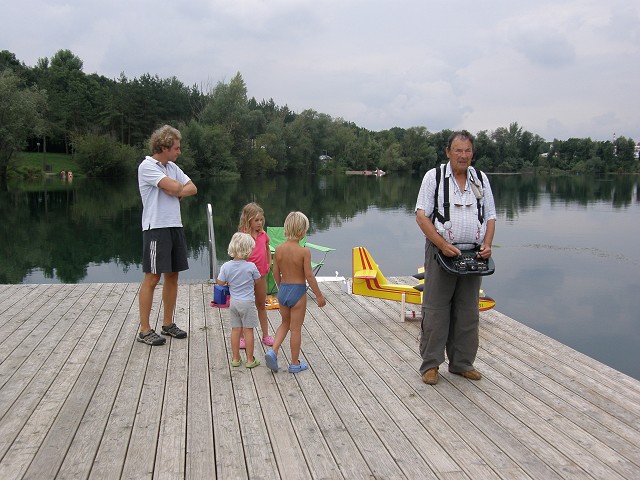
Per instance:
(480,206)
(445,204)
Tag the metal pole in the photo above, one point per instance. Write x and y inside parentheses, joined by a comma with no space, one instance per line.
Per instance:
(213,261)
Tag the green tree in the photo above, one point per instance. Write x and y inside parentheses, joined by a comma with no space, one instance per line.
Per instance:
(417,150)
(21,115)
(259,158)
(70,94)
(485,151)
(301,152)
(625,161)
(507,141)
(208,148)
(8,61)
(102,156)
(228,108)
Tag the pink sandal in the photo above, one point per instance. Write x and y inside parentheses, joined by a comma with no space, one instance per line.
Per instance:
(267,340)
(242,344)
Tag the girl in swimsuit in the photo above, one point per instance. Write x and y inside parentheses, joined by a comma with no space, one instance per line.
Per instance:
(292,271)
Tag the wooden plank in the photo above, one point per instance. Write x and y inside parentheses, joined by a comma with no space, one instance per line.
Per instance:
(307,455)
(111,407)
(230,460)
(31,312)
(37,373)
(140,460)
(12,294)
(483,402)
(95,345)
(345,454)
(607,400)
(18,457)
(258,443)
(369,395)
(378,460)
(597,457)
(430,431)
(550,444)
(585,371)
(114,445)
(170,456)
(465,441)
(123,322)
(609,441)
(200,452)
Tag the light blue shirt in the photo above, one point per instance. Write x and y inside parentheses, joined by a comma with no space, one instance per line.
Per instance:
(159,210)
(241,277)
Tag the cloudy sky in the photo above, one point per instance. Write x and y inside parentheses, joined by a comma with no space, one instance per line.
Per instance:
(560,69)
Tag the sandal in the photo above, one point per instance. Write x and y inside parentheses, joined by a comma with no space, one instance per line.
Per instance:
(298,368)
(174,331)
(150,338)
(236,363)
(272,360)
(242,343)
(253,364)
(267,340)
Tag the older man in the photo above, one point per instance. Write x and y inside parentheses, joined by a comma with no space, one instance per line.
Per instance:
(450,315)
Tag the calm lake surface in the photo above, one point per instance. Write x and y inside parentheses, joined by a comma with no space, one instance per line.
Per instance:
(566,249)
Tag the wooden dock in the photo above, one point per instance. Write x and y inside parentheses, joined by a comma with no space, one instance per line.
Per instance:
(80,398)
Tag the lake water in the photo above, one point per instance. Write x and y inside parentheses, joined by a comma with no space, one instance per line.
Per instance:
(566,249)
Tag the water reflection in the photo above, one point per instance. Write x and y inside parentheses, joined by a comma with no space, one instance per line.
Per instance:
(63,229)
(566,254)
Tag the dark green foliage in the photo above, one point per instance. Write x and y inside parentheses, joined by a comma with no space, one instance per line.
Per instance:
(228,134)
(21,116)
(102,156)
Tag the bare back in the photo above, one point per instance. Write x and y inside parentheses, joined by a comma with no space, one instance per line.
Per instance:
(292,262)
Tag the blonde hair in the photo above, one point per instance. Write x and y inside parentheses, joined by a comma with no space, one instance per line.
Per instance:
(163,137)
(296,225)
(241,246)
(249,212)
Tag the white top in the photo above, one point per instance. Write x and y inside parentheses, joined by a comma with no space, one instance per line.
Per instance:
(159,210)
(465,229)
(241,277)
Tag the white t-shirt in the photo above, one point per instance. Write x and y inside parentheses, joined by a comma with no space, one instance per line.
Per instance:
(159,210)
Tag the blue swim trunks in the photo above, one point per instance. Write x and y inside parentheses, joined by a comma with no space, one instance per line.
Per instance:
(290,293)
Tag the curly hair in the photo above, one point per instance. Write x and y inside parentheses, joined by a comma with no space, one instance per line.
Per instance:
(241,246)
(163,137)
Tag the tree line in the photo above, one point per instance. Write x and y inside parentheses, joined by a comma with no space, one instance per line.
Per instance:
(56,107)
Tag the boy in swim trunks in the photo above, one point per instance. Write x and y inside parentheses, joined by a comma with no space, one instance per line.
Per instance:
(292,271)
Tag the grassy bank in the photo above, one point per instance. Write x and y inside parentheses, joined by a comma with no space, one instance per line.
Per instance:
(29,163)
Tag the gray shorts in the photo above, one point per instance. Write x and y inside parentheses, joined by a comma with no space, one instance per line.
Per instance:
(243,313)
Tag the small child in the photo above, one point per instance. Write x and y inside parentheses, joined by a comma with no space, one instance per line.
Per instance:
(291,271)
(241,276)
(252,222)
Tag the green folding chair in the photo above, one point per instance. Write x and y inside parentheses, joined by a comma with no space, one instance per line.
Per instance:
(276,237)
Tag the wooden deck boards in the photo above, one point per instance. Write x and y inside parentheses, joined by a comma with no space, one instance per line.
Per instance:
(80,398)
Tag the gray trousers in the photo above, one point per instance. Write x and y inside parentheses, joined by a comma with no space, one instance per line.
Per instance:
(450,316)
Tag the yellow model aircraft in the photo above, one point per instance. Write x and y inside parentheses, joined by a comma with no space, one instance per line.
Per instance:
(368,280)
